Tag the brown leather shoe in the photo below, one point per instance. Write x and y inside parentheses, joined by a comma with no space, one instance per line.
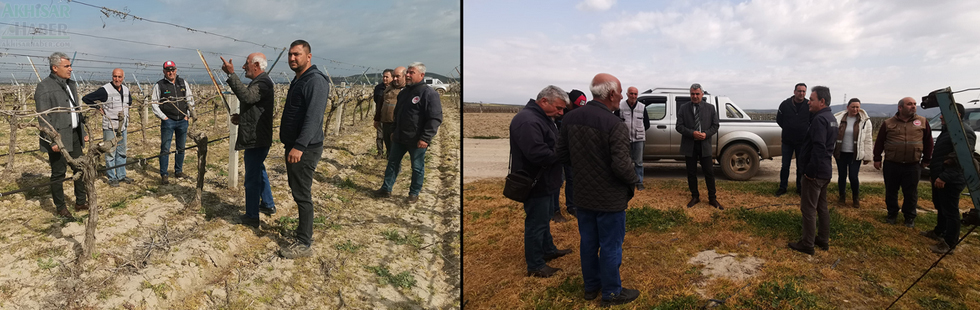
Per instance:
(79,207)
(714,203)
(65,214)
(693,202)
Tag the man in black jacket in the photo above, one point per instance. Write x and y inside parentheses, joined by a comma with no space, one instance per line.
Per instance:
(818,151)
(301,133)
(793,117)
(379,97)
(697,121)
(59,91)
(254,132)
(533,136)
(948,181)
(418,115)
(595,143)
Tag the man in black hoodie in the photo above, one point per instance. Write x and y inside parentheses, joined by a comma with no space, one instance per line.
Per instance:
(254,132)
(818,151)
(793,117)
(418,115)
(533,136)
(301,133)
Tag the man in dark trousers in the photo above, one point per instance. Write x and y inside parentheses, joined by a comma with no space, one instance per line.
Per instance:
(697,122)
(948,181)
(906,140)
(815,158)
(533,136)
(379,97)
(637,122)
(301,133)
(576,99)
(59,91)
(793,117)
(254,132)
(595,143)
(418,115)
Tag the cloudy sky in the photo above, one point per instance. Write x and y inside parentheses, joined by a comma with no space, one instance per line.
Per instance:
(752,51)
(347,37)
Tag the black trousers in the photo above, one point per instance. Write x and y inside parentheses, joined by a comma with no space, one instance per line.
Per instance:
(692,173)
(386,130)
(947,201)
(906,177)
(300,177)
(59,167)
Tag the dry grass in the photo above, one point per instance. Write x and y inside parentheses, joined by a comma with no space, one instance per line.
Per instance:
(487,125)
(869,264)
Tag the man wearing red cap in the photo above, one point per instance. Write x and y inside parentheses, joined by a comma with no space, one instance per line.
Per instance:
(173,102)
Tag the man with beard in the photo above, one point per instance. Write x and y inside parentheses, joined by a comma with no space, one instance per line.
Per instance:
(386,112)
(906,140)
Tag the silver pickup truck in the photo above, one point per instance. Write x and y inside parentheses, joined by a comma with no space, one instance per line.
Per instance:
(738,146)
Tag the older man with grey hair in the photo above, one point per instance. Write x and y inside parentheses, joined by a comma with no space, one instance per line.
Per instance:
(59,91)
(533,136)
(418,115)
(254,132)
(116,100)
(697,121)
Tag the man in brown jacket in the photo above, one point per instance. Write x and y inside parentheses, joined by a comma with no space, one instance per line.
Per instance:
(384,119)
(907,141)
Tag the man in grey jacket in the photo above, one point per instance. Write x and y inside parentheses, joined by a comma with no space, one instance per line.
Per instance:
(254,132)
(115,99)
(59,91)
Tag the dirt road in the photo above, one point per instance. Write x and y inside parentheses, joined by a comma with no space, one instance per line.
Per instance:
(487,158)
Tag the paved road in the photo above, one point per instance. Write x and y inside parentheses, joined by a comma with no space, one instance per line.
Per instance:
(488,158)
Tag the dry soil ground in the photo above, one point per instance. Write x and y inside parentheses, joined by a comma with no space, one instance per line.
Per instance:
(154,251)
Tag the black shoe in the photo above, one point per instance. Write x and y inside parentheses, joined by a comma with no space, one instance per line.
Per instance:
(127,180)
(164,180)
(413,198)
(248,221)
(693,202)
(798,247)
(267,211)
(591,295)
(780,192)
(822,246)
(841,201)
(640,187)
(625,296)
(931,234)
(544,272)
(941,248)
(556,254)
(380,193)
(558,218)
(714,203)
(891,219)
(910,223)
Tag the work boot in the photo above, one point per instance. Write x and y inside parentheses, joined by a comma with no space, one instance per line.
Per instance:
(891,219)
(127,180)
(65,214)
(380,193)
(81,207)
(857,202)
(413,198)
(249,221)
(910,222)
(625,296)
(296,250)
(114,183)
(941,248)
(164,180)
(544,272)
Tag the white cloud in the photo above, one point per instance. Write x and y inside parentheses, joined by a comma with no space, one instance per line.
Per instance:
(595,5)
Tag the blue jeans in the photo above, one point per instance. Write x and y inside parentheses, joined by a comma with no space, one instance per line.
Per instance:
(257,190)
(395,155)
(168,129)
(602,250)
(116,157)
(790,148)
(636,152)
(537,231)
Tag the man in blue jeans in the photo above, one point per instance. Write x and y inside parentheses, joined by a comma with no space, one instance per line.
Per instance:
(418,115)
(254,132)
(793,117)
(173,103)
(115,99)
(597,145)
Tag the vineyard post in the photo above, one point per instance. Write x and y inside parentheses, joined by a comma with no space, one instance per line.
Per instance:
(201,140)
(232,101)
(13,142)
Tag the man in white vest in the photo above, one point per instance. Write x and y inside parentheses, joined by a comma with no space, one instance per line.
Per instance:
(637,122)
(115,98)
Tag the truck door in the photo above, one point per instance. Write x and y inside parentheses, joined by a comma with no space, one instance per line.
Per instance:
(658,136)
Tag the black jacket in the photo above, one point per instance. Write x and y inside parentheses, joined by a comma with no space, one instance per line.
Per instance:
(418,114)
(256,106)
(794,119)
(596,144)
(301,126)
(533,137)
(379,98)
(944,164)
(818,145)
(686,127)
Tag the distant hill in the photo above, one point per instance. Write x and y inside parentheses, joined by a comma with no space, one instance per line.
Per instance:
(873,109)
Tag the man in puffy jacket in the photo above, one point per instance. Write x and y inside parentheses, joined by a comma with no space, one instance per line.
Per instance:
(818,150)
(948,181)
(254,132)
(418,115)
(115,98)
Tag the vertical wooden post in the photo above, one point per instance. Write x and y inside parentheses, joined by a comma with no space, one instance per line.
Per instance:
(232,140)
(201,140)
(12,148)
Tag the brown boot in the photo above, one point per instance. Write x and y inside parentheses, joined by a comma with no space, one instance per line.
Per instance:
(66,214)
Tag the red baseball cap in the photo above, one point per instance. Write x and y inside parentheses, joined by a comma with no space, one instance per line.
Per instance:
(169,64)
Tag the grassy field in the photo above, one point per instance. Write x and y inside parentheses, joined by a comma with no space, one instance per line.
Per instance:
(870,263)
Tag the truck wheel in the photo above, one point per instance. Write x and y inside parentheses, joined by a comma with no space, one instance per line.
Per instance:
(740,162)
(441,91)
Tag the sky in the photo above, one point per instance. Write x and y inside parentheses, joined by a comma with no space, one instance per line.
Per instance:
(751,51)
(347,37)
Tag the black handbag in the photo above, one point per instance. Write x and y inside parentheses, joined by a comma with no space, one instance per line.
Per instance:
(518,184)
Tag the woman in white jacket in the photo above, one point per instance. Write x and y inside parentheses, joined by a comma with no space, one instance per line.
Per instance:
(853,147)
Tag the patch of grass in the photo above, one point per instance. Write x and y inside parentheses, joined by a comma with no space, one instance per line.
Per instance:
(46,264)
(160,289)
(563,296)
(773,295)
(344,199)
(119,204)
(844,231)
(479,215)
(939,302)
(412,239)
(478,197)
(347,183)
(402,280)
(348,246)
(679,302)
(654,219)
(287,223)
(485,137)
(753,187)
